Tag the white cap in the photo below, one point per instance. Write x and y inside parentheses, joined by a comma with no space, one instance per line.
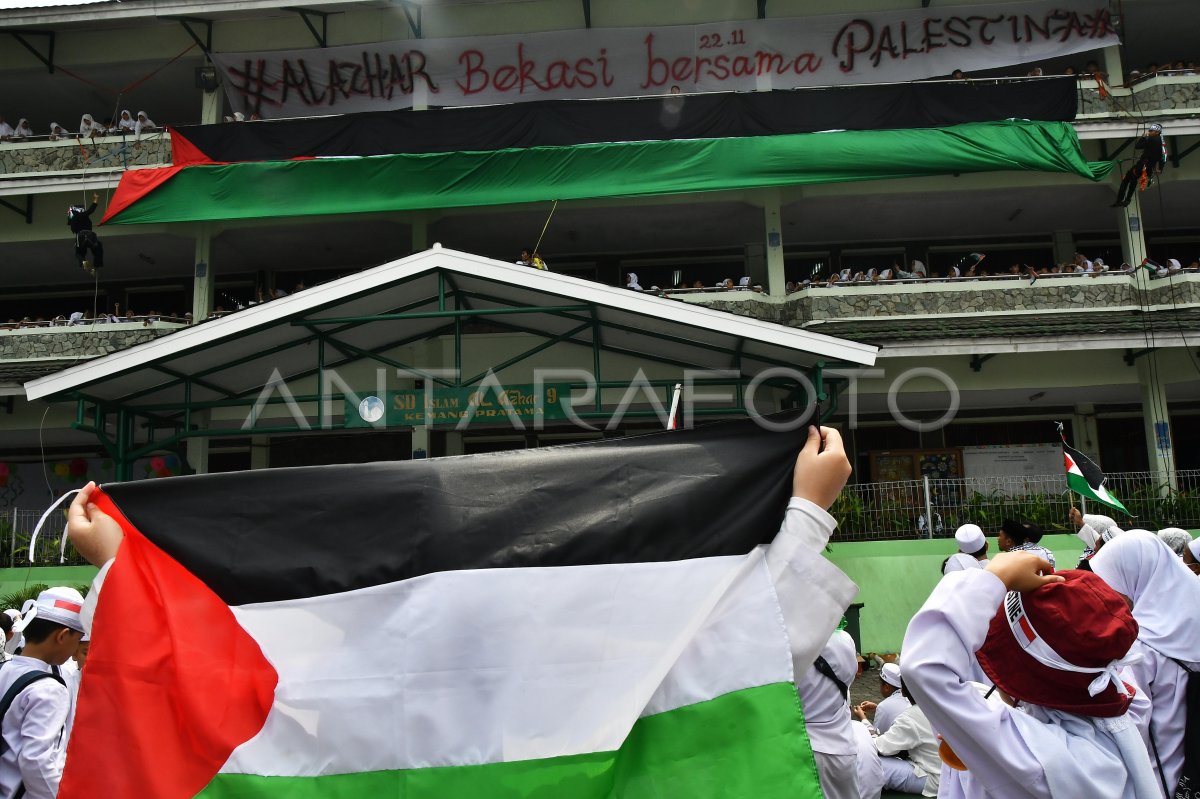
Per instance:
(1194,548)
(970,538)
(890,674)
(60,605)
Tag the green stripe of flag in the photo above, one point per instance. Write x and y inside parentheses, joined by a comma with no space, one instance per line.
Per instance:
(749,743)
(613,169)
(1079,484)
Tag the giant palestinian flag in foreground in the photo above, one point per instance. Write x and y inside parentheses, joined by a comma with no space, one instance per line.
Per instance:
(593,620)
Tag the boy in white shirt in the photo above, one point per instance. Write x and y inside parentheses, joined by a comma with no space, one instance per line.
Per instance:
(35,702)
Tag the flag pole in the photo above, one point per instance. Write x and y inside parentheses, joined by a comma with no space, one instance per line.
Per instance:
(672,424)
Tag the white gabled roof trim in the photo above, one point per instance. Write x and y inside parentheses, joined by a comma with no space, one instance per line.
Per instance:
(281,311)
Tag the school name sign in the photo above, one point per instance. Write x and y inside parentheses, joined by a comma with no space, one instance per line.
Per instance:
(744,55)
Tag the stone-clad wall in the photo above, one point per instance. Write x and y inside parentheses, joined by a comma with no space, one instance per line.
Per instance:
(109,152)
(1007,297)
(83,342)
(1164,93)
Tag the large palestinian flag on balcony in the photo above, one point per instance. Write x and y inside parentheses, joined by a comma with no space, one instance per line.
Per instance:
(449,158)
(616,618)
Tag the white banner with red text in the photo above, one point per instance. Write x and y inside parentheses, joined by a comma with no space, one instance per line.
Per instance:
(746,55)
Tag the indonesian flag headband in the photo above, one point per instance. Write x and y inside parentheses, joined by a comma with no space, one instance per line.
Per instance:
(1037,648)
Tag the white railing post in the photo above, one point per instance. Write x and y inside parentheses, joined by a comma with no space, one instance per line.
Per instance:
(928,505)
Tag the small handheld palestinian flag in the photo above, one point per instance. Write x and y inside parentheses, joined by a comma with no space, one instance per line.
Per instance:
(615,618)
(1085,478)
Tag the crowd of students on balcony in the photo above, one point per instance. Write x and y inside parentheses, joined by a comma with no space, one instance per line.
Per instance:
(126,124)
(82,318)
(970,268)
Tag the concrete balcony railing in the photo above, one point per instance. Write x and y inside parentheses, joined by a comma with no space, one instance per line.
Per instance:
(870,305)
(43,158)
(1160,95)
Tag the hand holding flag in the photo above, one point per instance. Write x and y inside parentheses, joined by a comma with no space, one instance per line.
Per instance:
(1084,476)
(95,534)
(821,471)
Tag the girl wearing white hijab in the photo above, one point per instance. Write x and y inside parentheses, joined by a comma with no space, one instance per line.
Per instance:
(631,282)
(125,124)
(58,132)
(144,123)
(23,130)
(88,126)
(1165,596)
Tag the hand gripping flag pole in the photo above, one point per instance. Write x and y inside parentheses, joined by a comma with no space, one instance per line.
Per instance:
(1084,477)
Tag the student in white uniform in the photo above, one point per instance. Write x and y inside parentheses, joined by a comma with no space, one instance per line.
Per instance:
(894,701)
(38,702)
(918,771)
(1053,643)
(1165,598)
(870,771)
(972,550)
(826,703)
(74,676)
(1093,530)
(1017,536)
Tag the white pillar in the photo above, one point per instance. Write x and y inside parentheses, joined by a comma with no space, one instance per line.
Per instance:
(1156,418)
(1133,240)
(420,442)
(776,274)
(1112,65)
(197,455)
(202,281)
(210,106)
(260,452)
(1085,432)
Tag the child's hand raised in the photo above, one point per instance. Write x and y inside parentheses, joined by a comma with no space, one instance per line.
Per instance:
(95,534)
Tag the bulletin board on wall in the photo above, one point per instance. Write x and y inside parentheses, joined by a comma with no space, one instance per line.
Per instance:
(913,464)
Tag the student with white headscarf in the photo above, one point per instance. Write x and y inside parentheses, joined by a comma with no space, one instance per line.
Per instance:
(631,282)
(6,130)
(22,131)
(88,126)
(125,123)
(58,132)
(144,124)
(1165,597)
(1191,556)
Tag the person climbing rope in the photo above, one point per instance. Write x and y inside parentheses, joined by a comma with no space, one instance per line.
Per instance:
(80,222)
(1148,164)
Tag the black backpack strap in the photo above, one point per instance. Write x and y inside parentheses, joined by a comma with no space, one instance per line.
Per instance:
(24,681)
(822,665)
